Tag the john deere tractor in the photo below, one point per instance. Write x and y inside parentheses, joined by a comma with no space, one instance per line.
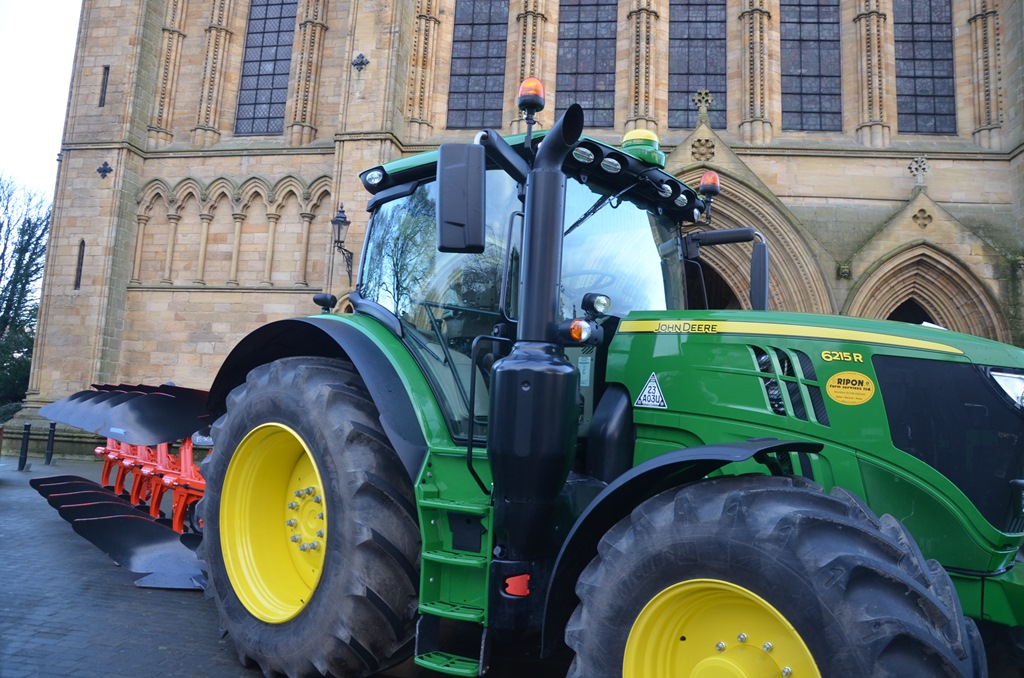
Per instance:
(531,430)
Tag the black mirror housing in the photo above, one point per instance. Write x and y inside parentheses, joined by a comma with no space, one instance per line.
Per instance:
(461,204)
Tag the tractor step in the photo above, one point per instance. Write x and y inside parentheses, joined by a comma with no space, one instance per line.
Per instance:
(451,664)
(429,654)
(466,613)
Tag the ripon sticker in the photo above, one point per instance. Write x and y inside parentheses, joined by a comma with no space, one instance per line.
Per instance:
(850,388)
(650,395)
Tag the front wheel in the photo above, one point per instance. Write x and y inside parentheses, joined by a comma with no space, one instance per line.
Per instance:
(761,576)
(310,532)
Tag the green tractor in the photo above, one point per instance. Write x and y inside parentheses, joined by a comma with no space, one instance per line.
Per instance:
(530,432)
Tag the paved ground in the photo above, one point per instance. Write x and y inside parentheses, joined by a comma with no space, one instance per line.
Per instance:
(67,610)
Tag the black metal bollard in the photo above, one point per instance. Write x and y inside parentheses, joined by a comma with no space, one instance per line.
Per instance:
(23,457)
(49,442)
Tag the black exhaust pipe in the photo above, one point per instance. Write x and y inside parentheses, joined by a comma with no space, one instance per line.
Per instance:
(534,411)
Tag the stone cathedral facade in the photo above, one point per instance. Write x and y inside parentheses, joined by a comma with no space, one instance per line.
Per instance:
(877,144)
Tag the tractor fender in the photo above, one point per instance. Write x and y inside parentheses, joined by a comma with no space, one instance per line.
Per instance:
(619,498)
(325,337)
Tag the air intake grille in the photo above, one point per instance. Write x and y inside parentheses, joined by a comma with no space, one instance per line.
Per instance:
(790,384)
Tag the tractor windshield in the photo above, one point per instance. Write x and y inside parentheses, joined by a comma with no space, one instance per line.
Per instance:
(444,300)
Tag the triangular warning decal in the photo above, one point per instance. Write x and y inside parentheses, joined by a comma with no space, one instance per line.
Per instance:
(650,395)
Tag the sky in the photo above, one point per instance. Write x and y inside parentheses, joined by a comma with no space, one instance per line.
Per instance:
(34,76)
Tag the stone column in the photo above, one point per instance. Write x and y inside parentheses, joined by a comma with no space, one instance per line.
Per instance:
(207,129)
(985,44)
(141,220)
(755,125)
(204,236)
(421,73)
(530,22)
(239,217)
(312,16)
(268,262)
(643,17)
(307,220)
(172,235)
(159,131)
(872,128)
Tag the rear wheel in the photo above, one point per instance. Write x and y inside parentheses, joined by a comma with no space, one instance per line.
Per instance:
(309,522)
(759,576)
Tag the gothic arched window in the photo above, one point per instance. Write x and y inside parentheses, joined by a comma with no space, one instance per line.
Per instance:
(587,33)
(476,88)
(812,85)
(925,89)
(696,60)
(265,64)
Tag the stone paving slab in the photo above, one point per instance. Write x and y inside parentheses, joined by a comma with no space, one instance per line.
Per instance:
(67,610)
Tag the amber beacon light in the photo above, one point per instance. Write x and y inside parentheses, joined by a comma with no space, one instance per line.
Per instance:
(531,96)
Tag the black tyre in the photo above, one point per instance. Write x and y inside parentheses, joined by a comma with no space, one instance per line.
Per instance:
(309,525)
(761,576)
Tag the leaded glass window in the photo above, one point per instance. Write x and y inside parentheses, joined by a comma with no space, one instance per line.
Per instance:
(811,68)
(925,93)
(586,58)
(696,60)
(265,63)
(476,88)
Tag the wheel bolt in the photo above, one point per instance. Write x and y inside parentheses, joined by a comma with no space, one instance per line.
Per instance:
(296,537)
(293,505)
(742,637)
(786,671)
(320,515)
(304,547)
(291,522)
(767,647)
(320,533)
(309,490)
(314,545)
(298,493)
(720,646)
(317,499)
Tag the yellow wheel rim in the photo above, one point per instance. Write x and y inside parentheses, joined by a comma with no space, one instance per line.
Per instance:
(705,627)
(273,523)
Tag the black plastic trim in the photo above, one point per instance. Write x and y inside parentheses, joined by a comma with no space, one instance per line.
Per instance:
(319,336)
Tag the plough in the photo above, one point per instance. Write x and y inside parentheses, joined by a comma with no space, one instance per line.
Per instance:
(122,514)
(154,472)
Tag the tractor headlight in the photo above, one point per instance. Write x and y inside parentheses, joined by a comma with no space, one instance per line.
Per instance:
(1012,384)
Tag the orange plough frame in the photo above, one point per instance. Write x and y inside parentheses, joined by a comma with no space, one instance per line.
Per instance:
(154,471)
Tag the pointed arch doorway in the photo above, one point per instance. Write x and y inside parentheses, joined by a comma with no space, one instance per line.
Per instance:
(796,282)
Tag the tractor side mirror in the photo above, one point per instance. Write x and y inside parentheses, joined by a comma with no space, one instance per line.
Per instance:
(460,198)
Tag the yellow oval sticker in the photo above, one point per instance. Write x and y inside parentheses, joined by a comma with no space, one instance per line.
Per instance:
(850,388)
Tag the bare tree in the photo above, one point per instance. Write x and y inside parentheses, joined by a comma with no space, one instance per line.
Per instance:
(24,227)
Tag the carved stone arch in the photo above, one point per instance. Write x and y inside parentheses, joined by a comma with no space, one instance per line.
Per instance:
(796,283)
(157,188)
(185,188)
(218,189)
(315,194)
(287,185)
(249,189)
(936,280)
